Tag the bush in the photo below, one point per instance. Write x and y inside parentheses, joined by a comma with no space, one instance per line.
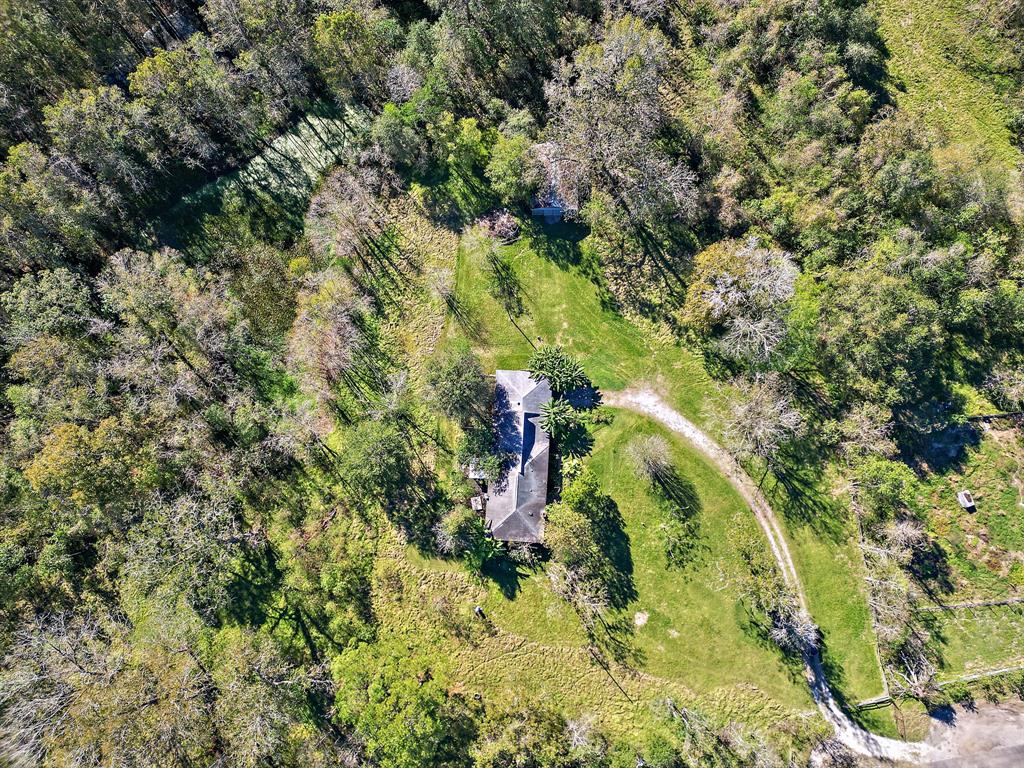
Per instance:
(652,456)
(563,371)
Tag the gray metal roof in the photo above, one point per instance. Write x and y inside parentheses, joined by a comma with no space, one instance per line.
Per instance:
(515,504)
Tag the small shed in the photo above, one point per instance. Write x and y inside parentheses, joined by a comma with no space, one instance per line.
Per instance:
(966,500)
(559,193)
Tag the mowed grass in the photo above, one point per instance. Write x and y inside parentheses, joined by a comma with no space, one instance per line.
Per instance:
(833,577)
(979,639)
(942,56)
(564,307)
(694,636)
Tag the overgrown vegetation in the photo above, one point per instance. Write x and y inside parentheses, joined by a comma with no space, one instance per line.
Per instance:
(236,387)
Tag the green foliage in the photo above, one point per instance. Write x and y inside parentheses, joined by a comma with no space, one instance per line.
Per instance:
(458,387)
(462,533)
(563,371)
(510,171)
(535,736)
(559,419)
(349,47)
(400,710)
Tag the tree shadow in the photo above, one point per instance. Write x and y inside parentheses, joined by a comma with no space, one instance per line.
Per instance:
(463,316)
(682,531)
(616,638)
(613,541)
(941,450)
(584,398)
(577,442)
(557,243)
(796,492)
(506,573)
(930,568)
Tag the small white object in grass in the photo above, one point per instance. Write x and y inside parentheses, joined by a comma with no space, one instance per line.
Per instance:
(966,499)
(673,633)
(640,618)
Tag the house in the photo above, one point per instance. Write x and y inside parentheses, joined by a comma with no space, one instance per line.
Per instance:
(515,503)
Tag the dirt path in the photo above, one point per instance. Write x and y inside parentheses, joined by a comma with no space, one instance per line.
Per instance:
(650,403)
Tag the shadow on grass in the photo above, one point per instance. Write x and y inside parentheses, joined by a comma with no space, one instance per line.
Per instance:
(557,243)
(682,530)
(464,317)
(942,450)
(613,541)
(931,570)
(506,573)
(796,491)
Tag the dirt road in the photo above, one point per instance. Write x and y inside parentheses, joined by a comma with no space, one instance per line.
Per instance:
(650,403)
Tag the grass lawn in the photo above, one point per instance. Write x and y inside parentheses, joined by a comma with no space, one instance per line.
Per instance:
(564,306)
(694,636)
(941,63)
(980,639)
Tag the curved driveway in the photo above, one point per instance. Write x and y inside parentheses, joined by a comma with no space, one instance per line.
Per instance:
(649,403)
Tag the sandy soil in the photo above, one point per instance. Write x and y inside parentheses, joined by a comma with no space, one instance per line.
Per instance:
(990,736)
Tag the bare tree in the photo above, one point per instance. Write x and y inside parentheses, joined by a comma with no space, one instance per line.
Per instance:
(326,339)
(402,82)
(867,429)
(762,418)
(1006,386)
(746,295)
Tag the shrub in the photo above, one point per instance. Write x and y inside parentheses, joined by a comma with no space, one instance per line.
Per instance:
(563,371)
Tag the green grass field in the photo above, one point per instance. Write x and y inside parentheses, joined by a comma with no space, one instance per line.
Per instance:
(942,60)
(984,550)
(694,637)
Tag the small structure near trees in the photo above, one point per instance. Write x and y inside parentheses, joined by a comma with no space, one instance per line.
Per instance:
(515,503)
(966,500)
(558,195)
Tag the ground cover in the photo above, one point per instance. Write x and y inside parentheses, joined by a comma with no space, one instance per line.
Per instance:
(564,306)
(694,637)
(944,63)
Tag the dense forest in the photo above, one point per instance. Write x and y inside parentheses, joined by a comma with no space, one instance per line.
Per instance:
(211,438)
